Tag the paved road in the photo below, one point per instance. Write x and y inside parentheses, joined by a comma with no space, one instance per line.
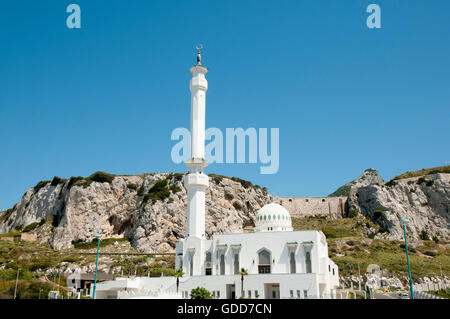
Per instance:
(389,295)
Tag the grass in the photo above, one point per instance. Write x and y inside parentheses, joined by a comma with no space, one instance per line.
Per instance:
(79,244)
(443,293)
(341,191)
(424,171)
(33,258)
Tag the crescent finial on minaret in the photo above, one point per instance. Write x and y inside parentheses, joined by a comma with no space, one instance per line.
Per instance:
(199,57)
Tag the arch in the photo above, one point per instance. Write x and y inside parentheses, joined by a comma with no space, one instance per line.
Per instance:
(208,264)
(236,263)
(264,261)
(308,262)
(191,265)
(222,264)
(292,266)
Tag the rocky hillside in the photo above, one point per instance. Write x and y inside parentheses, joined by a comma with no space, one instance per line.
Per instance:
(149,210)
(368,177)
(424,200)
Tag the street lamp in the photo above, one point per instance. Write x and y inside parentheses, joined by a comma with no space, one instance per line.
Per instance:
(96,235)
(403,222)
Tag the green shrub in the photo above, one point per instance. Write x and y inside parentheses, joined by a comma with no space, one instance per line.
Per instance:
(341,191)
(40,185)
(200,293)
(244,183)
(377,214)
(57,180)
(31,227)
(178,176)
(73,180)
(159,191)
(140,191)
(391,183)
(353,213)
(175,189)
(101,177)
(216,178)
(421,180)
(132,186)
(424,235)
(436,239)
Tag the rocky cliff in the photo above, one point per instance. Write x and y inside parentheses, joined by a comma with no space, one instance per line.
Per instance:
(368,177)
(148,209)
(424,200)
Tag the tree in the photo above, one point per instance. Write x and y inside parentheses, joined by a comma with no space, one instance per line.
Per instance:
(200,293)
(243,272)
(178,273)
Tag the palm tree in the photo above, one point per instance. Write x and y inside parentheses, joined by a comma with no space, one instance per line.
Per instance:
(178,273)
(243,272)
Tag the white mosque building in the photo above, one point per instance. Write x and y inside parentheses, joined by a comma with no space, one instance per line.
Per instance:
(280,262)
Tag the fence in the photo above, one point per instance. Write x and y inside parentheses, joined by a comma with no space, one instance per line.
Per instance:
(424,295)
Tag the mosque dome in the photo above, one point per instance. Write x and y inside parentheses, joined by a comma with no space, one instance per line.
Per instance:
(273,217)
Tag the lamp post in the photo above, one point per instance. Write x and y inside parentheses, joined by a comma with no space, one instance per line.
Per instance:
(96,235)
(403,222)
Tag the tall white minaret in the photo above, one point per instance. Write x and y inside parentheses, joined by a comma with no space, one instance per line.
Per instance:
(196,181)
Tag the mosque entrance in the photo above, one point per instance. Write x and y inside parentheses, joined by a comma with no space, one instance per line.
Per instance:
(272,291)
(231,292)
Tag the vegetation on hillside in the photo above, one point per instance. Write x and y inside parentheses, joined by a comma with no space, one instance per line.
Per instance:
(424,172)
(348,246)
(40,266)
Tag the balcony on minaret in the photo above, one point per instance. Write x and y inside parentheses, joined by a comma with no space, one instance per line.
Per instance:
(198,179)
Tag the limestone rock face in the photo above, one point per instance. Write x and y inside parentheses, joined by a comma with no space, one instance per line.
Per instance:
(368,177)
(128,207)
(425,201)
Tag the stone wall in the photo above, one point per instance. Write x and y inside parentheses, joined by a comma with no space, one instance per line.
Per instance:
(332,207)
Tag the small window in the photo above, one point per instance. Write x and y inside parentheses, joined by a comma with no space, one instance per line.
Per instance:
(323,200)
(329,268)
(333,271)
(256,293)
(298,294)
(291,293)
(290,199)
(249,293)
(218,293)
(305,293)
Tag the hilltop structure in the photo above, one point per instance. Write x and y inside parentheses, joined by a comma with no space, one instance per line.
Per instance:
(277,261)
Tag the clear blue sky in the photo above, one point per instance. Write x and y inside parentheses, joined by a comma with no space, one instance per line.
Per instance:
(107,96)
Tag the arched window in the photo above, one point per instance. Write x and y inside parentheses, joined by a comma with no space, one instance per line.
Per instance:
(264,262)
(292,263)
(222,264)
(236,264)
(208,264)
(308,262)
(191,265)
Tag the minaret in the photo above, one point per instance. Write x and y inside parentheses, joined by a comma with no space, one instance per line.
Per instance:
(196,181)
